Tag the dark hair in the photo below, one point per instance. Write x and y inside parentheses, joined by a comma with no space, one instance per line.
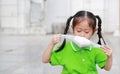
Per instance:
(77,18)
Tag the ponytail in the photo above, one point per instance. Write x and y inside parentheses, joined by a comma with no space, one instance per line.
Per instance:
(65,32)
(99,31)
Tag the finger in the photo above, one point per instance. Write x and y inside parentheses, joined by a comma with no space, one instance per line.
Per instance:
(105,50)
(106,46)
(108,52)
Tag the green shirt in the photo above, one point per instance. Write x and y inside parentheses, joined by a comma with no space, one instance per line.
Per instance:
(76,60)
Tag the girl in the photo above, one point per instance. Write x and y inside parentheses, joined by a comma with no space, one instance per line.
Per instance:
(84,60)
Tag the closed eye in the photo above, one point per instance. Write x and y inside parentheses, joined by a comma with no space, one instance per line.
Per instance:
(86,32)
(78,31)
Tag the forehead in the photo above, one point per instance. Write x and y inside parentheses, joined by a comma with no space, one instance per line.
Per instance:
(83,25)
(83,20)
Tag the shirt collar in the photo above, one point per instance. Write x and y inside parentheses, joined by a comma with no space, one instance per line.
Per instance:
(77,48)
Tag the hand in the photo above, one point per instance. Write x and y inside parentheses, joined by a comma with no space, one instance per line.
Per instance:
(56,39)
(107,50)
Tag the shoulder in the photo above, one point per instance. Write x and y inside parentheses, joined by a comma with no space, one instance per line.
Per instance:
(67,45)
(97,50)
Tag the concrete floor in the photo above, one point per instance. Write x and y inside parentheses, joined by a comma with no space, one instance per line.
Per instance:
(22,55)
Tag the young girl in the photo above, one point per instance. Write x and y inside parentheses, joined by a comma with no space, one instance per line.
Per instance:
(84,60)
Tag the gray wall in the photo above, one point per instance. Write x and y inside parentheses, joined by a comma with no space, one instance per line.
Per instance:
(39,16)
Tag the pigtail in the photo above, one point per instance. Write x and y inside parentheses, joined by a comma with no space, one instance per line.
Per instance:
(99,31)
(65,32)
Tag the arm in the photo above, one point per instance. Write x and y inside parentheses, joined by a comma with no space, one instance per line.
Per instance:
(47,53)
(108,52)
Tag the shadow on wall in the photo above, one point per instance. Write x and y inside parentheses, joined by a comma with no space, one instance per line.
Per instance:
(58,28)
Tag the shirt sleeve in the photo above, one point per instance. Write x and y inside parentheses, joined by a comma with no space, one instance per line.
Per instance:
(101,58)
(56,57)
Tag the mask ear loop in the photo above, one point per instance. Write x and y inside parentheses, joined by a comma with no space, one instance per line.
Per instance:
(71,23)
(85,14)
(104,41)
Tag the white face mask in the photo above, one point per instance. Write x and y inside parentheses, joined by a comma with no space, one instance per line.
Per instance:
(80,41)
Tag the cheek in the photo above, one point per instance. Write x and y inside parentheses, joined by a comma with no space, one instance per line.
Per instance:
(75,33)
(89,35)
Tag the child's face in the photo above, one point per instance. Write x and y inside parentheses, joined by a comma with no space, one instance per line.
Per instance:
(83,29)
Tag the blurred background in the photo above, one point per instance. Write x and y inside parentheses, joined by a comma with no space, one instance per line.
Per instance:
(27,26)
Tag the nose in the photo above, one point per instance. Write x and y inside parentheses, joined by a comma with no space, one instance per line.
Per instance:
(82,34)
